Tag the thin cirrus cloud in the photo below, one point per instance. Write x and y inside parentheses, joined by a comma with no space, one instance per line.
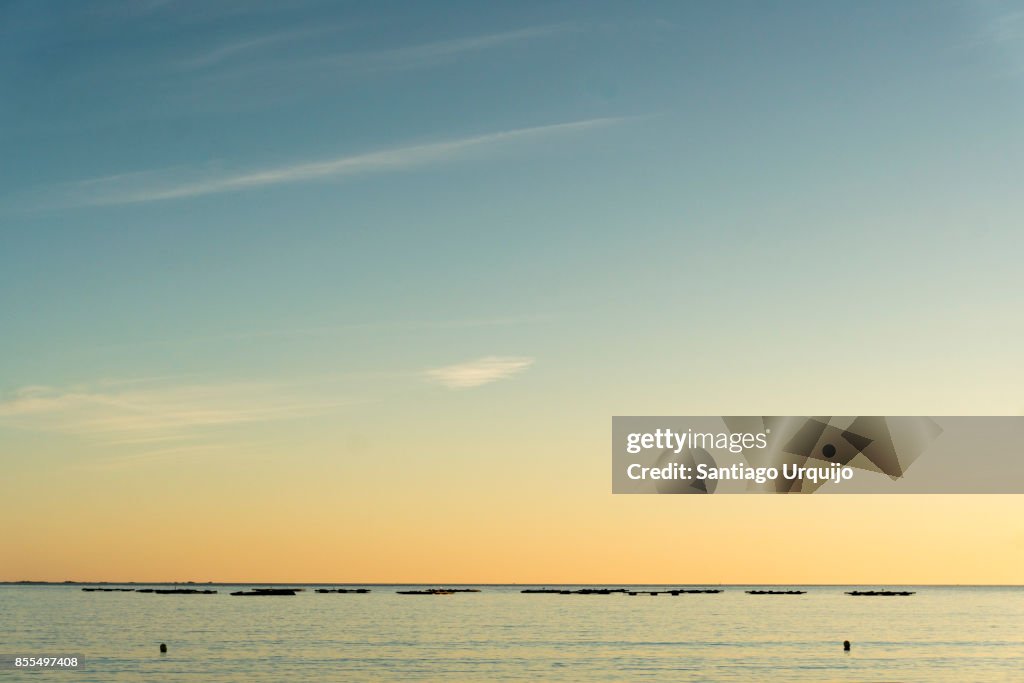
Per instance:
(1007,27)
(402,57)
(227,51)
(428,54)
(385,327)
(130,413)
(478,372)
(152,186)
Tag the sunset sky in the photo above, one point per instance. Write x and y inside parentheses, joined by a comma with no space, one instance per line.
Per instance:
(319,291)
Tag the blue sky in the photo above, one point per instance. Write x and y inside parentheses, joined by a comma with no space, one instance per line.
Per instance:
(388,203)
(321,290)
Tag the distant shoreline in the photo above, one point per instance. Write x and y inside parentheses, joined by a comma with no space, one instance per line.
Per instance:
(438,583)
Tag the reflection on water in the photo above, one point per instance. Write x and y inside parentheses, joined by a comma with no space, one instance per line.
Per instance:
(939,634)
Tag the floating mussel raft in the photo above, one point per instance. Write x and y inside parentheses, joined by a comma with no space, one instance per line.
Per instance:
(439,591)
(619,591)
(158,591)
(259,592)
(452,591)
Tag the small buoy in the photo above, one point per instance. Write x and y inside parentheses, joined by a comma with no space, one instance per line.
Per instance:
(163,647)
(846,645)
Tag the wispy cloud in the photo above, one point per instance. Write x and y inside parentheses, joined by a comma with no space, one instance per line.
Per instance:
(1007,27)
(226,51)
(428,54)
(129,413)
(174,454)
(361,62)
(1001,34)
(475,373)
(383,326)
(179,183)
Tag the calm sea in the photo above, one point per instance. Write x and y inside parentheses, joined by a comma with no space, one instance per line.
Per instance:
(939,634)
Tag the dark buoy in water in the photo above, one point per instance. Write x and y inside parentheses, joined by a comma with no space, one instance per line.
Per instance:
(163,647)
(846,645)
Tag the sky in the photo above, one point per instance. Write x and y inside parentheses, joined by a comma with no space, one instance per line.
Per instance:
(310,291)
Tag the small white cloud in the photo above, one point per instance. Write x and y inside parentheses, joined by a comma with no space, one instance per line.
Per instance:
(475,373)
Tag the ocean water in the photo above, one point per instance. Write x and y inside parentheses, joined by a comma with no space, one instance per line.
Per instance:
(939,634)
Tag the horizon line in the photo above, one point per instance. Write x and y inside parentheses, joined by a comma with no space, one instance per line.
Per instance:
(25,582)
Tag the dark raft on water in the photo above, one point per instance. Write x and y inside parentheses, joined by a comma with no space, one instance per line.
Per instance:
(581,591)
(181,591)
(266,591)
(619,591)
(679,591)
(883,593)
(439,591)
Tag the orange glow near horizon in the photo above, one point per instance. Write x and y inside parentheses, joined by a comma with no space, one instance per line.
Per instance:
(307,528)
